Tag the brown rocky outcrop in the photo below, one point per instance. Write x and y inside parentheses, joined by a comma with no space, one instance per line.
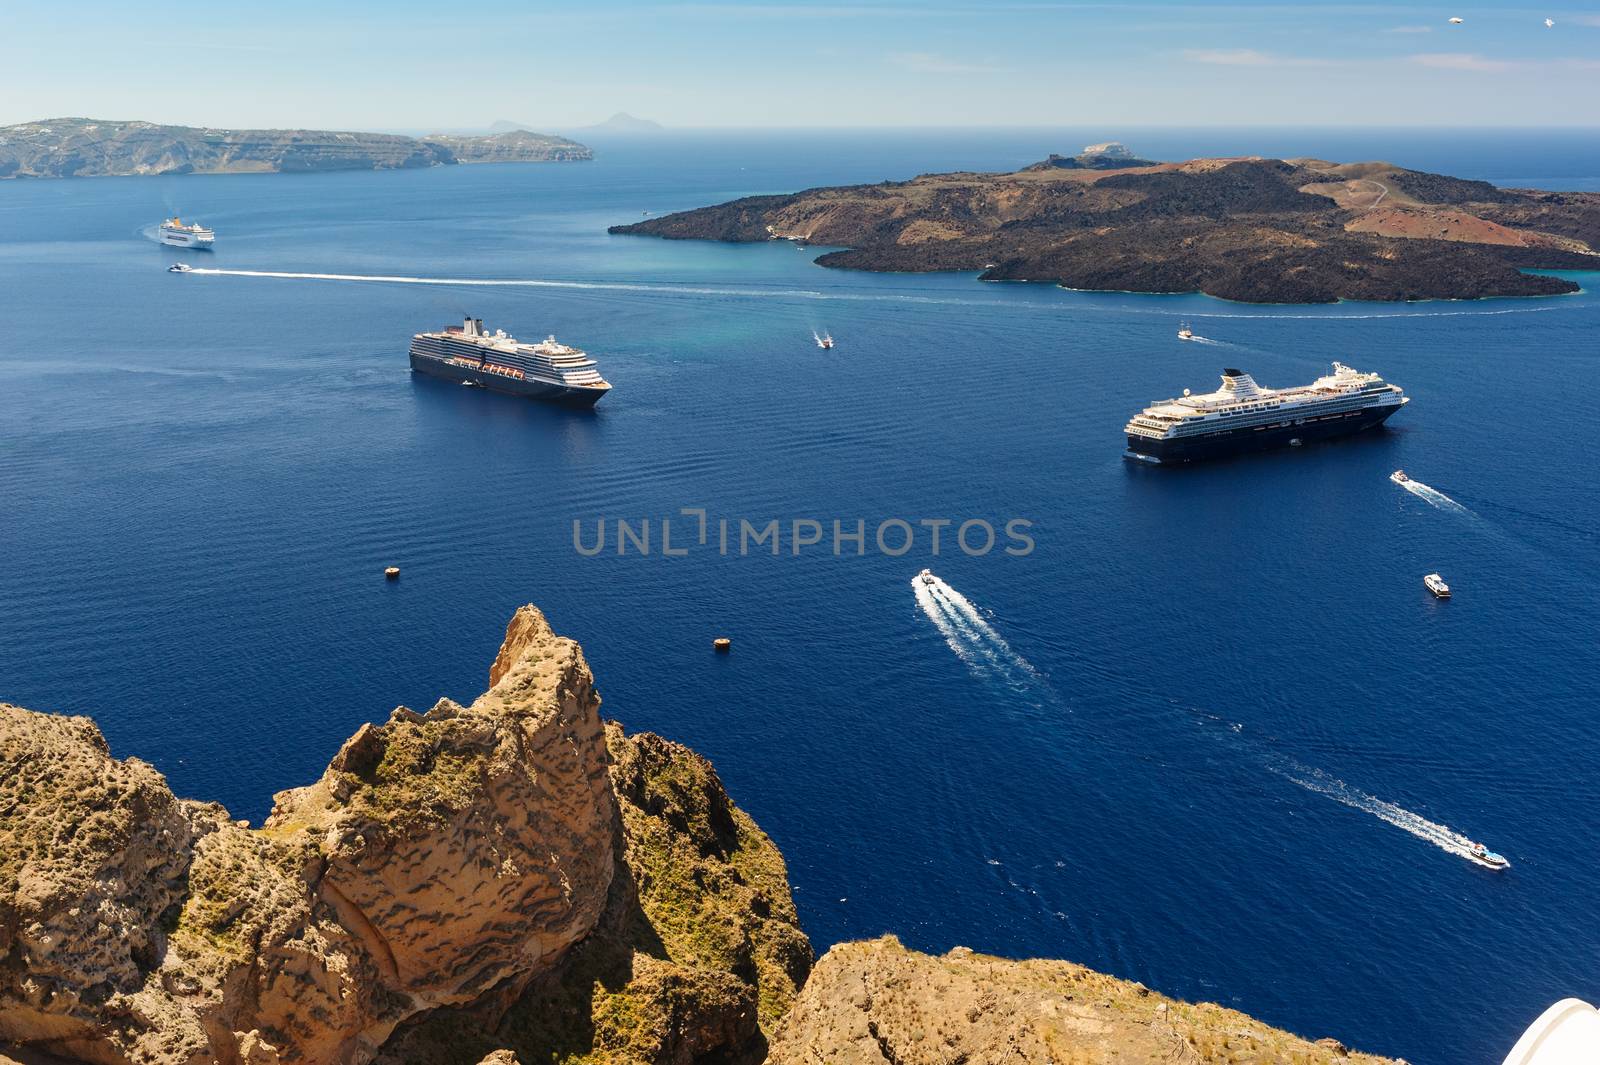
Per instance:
(877,1003)
(699,952)
(1250,229)
(441,856)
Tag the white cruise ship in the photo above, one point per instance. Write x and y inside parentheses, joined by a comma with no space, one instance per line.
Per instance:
(175,233)
(1243,416)
(499,361)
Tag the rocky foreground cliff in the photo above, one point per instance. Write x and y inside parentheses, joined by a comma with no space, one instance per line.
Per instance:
(85,147)
(1258,230)
(511,880)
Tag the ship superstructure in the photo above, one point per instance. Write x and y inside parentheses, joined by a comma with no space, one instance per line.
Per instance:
(175,233)
(1243,416)
(469,354)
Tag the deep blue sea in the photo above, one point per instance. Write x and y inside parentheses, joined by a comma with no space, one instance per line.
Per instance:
(1161,744)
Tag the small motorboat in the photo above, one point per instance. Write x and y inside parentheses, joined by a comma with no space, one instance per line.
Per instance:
(1399,477)
(1484,856)
(469,383)
(178,268)
(927,577)
(824,341)
(1435,584)
(1184,332)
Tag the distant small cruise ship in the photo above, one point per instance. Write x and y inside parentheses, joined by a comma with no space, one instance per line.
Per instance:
(1243,416)
(174,232)
(547,370)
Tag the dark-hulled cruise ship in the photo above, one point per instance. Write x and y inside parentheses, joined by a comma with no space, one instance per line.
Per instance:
(1243,416)
(548,370)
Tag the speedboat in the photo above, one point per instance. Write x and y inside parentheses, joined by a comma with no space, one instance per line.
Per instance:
(1437,586)
(927,577)
(1484,856)
(178,268)
(1185,333)
(824,341)
(1399,477)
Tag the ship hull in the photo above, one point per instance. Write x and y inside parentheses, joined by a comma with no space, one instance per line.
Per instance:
(532,389)
(1244,440)
(187,240)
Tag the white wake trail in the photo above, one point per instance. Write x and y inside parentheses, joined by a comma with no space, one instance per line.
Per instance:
(980,627)
(1441,836)
(512,282)
(967,642)
(672,289)
(969,634)
(941,620)
(652,288)
(1434,497)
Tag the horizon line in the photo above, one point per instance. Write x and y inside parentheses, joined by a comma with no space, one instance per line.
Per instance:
(593,127)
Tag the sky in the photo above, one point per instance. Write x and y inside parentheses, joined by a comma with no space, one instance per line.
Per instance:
(462,64)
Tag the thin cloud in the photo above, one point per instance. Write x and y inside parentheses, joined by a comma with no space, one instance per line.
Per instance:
(1462,61)
(1249,57)
(934,63)
(797,11)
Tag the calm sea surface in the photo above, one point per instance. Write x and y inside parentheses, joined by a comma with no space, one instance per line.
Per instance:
(1211,734)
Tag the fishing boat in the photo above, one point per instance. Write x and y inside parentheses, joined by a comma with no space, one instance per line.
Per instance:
(1184,332)
(1486,857)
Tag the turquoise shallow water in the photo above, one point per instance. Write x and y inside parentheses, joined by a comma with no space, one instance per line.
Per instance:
(1154,745)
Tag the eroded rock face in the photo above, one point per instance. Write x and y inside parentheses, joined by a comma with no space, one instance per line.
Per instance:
(876,1002)
(440,856)
(469,846)
(94,857)
(697,956)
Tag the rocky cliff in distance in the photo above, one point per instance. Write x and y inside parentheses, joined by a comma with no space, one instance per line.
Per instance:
(84,147)
(511,146)
(510,881)
(1256,230)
